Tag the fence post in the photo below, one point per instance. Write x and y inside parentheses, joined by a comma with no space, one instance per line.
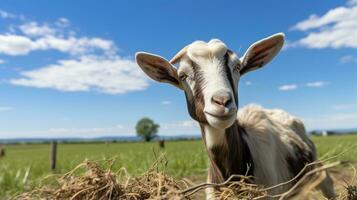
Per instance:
(162,144)
(2,151)
(53,155)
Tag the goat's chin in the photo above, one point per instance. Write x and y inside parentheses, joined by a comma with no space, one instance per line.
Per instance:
(220,123)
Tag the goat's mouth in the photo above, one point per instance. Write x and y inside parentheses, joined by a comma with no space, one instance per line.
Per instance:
(222,117)
(221,121)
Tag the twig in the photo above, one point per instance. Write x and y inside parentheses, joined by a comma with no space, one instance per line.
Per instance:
(312,172)
(192,190)
(304,169)
(201,186)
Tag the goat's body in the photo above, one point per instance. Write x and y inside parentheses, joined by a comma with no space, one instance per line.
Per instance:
(278,144)
(278,148)
(271,145)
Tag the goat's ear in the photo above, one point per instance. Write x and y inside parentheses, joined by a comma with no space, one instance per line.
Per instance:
(261,52)
(158,68)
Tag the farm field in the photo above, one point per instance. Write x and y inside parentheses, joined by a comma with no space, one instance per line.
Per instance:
(24,165)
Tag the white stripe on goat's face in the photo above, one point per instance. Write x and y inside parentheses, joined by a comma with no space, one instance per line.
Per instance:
(209,76)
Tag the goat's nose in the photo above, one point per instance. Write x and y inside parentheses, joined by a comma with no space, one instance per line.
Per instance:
(222,99)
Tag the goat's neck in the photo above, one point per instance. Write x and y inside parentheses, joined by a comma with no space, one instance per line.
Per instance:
(228,152)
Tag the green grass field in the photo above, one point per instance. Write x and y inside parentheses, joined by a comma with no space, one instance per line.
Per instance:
(25,165)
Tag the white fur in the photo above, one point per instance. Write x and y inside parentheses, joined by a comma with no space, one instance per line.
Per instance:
(213,136)
(216,82)
(185,67)
(210,57)
(270,133)
(210,192)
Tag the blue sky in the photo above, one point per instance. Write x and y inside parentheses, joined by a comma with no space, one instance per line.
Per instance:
(67,67)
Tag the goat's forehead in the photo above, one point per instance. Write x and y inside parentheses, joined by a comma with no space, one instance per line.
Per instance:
(200,51)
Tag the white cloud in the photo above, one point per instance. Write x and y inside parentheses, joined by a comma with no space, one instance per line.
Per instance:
(34,29)
(332,121)
(316,84)
(181,124)
(337,28)
(344,107)
(93,64)
(166,102)
(34,36)
(180,127)
(21,45)
(63,22)
(352,2)
(61,132)
(248,83)
(73,45)
(5,108)
(2,61)
(111,75)
(288,87)
(5,15)
(87,132)
(186,127)
(15,45)
(348,59)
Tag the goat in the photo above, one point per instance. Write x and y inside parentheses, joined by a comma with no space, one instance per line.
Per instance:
(270,145)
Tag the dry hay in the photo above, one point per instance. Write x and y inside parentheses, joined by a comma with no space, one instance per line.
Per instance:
(350,192)
(96,183)
(90,180)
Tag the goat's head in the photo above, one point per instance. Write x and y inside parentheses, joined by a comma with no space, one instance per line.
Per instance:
(209,74)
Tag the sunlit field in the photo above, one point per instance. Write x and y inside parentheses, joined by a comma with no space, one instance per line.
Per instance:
(24,165)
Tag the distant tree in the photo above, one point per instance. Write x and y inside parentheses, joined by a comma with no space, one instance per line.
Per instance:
(314,133)
(147,129)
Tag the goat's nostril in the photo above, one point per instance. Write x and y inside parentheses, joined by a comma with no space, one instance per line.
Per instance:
(217,101)
(228,101)
(222,100)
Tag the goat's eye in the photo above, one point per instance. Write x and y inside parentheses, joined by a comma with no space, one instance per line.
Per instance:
(182,76)
(237,68)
